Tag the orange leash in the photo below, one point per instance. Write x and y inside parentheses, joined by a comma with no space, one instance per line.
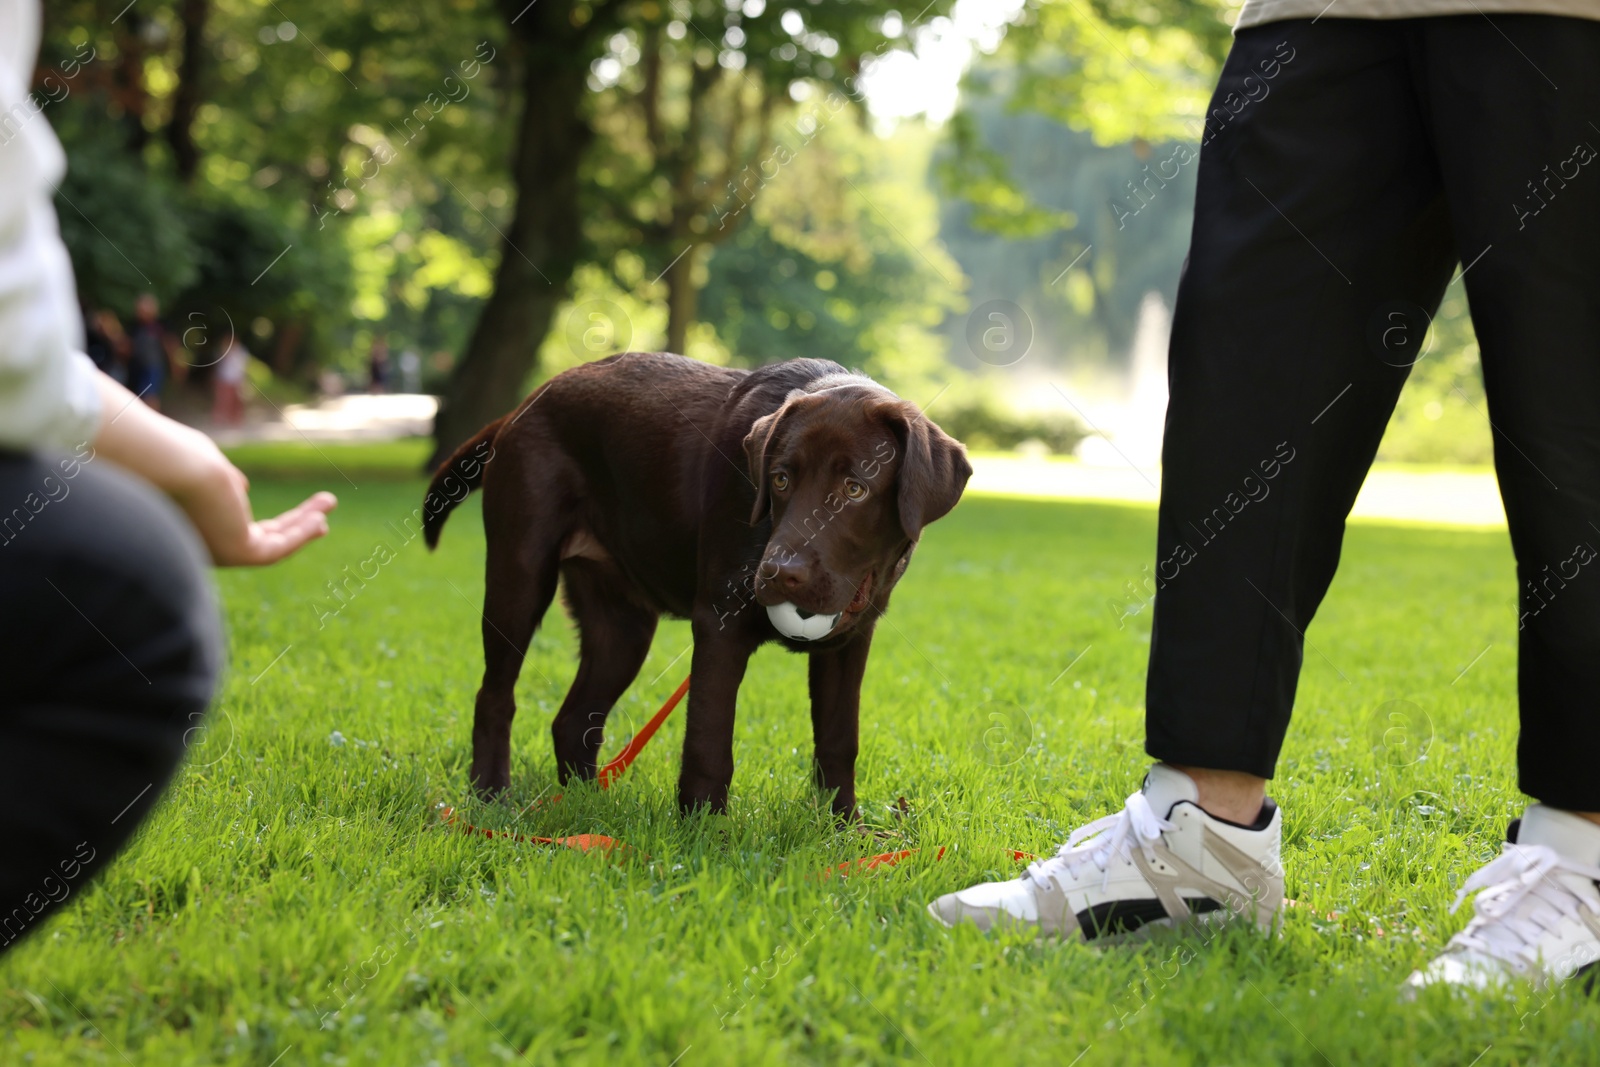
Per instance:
(608,774)
(630,752)
(581,842)
(614,770)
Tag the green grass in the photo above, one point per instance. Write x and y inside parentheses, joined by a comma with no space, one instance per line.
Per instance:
(295,898)
(334,467)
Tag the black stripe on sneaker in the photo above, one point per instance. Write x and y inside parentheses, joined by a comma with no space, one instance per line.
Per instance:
(1126,916)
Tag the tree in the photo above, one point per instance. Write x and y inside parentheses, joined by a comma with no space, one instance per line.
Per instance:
(1120,69)
(1071,163)
(1124,71)
(338,165)
(122,228)
(1117,221)
(682,218)
(654,121)
(543,244)
(187,97)
(697,102)
(839,259)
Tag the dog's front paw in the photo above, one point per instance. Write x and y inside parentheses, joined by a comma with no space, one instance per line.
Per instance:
(841,798)
(697,793)
(582,769)
(490,779)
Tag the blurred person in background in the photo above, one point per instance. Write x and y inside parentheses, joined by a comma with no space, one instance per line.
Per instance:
(150,355)
(106,345)
(379,369)
(410,371)
(227,385)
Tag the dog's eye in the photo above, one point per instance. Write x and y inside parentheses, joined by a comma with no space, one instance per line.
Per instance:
(855,490)
(780,481)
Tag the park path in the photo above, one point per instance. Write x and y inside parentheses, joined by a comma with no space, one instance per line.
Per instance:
(1392,493)
(352,417)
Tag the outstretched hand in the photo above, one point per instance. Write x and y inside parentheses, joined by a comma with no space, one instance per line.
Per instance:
(237,539)
(187,465)
(270,540)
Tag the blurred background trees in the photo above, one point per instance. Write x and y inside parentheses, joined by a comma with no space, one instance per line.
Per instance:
(507,189)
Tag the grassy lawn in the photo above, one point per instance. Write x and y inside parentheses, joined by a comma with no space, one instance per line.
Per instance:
(296,901)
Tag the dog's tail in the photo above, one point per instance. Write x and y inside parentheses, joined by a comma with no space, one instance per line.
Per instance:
(455,479)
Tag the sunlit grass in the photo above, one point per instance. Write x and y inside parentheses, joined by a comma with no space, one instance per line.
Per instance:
(297,897)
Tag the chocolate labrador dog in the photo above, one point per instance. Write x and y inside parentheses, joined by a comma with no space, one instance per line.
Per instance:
(654,484)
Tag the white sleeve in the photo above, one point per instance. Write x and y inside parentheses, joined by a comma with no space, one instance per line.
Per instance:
(48,393)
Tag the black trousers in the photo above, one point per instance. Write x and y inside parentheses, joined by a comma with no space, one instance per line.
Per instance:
(109,652)
(1334,200)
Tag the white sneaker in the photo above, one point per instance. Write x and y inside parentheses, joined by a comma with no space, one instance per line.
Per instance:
(1537,915)
(1161,861)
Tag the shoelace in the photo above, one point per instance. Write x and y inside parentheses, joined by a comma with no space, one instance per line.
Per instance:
(1521,898)
(1113,837)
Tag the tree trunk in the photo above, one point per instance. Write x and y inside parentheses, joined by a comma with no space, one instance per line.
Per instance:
(543,243)
(186,98)
(287,345)
(692,202)
(130,76)
(683,300)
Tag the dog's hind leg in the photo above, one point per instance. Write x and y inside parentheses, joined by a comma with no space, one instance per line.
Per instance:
(615,630)
(524,560)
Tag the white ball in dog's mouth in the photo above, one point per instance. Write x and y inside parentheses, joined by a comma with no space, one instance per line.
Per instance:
(799,625)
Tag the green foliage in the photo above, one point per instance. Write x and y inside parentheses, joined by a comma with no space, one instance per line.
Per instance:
(128,232)
(1121,69)
(248,275)
(1029,143)
(700,108)
(294,894)
(839,260)
(1126,213)
(260,382)
(602,319)
(773,302)
(1072,188)
(353,181)
(982,422)
(374,141)
(217,263)
(980,175)
(363,145)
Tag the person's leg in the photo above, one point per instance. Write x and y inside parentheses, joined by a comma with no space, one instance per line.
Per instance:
(1318,209)
(1511,106)
(1320,238)
(109,650)
(1521,162)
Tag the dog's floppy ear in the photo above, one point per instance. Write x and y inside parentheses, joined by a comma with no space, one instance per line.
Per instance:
(755,454)
(933,469)
(758,444)
(759,440)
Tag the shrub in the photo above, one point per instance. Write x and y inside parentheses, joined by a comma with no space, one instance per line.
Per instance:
(981,422)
